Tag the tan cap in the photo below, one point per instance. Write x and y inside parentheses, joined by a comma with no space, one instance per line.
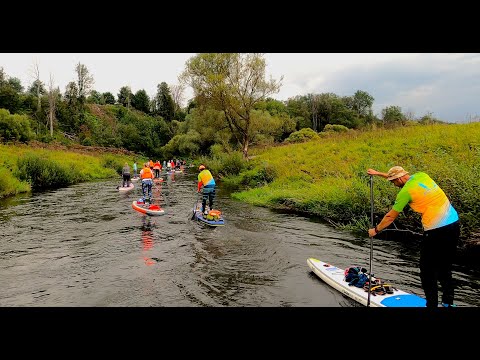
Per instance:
(396,172)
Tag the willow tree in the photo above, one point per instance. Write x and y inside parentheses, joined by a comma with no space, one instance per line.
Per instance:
(232,83)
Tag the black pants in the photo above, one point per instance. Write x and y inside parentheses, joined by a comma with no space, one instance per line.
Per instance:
(126,180)
(208,193)
(437,252)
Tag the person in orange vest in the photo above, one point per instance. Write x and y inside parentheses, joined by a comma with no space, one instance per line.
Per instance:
(206,180)
(146,175)
(150,164)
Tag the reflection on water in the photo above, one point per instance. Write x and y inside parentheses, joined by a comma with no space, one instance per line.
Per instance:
(85,246)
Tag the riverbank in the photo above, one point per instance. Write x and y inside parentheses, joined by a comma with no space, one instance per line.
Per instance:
(38,166)
(327,178)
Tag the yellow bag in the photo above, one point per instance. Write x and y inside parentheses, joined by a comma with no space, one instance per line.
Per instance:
(214,215)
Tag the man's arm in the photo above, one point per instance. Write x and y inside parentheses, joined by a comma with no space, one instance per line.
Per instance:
(386,221)
(378,173)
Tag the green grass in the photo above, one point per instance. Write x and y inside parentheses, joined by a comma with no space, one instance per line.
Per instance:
(327,177)
(24,169)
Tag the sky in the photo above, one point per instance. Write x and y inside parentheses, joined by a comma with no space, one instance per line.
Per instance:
(446,85)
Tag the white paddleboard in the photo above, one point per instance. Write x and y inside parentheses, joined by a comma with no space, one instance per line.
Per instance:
(126,188)
(334,277)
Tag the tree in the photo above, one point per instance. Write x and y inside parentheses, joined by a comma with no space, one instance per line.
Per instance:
(392,115)
(314,102)
(52,102)
(124,96)
(108,98)
(141,101)
(37,87)
(165,105)
(84,82)
(177,92)
(15,84)
(71,94)
(95,97)
(233,83)
(362,103)
(3,77)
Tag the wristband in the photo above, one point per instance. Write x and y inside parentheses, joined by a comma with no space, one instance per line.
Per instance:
(376,230)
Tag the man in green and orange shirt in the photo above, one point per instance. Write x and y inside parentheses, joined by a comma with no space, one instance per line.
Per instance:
(441,229)
(206,180)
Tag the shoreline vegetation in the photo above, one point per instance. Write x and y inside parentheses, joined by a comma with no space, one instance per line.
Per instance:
(327,178)
(323,178)
(38,166)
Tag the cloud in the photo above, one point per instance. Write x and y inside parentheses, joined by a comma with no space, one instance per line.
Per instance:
(447,85)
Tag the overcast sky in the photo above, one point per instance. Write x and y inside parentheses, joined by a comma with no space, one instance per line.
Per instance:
(444,84)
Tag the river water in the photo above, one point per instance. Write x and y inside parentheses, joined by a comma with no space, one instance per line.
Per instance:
(84,246)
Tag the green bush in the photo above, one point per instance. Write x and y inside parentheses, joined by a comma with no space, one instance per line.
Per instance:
(335,128)
(302,135)
(14,127)
(41,173)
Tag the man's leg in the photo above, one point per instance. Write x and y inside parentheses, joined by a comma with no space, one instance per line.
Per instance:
(204,199)
(211,198)
(428,271)
(447,243)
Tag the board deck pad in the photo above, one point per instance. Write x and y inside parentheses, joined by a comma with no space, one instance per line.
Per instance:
(335,276)
(199,217)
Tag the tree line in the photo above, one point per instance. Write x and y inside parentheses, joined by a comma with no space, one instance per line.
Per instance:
(233,107)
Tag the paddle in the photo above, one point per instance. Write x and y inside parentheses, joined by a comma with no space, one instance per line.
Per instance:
(371,241)
(195,206)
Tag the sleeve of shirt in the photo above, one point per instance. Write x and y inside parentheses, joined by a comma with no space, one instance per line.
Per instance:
(403,198)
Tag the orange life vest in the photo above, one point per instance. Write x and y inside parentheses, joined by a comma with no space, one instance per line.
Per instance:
(147,173)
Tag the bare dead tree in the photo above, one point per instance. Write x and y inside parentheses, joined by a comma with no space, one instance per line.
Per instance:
(35,75)
(52,102)
(177,92)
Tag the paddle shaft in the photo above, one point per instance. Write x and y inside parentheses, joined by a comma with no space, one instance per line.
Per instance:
(371,241)
(195,205)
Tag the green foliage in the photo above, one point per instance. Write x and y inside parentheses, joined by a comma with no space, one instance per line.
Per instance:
(329,178)
(165,107)
(108,98)
(112,162)
(43,174)
(10,185)
(182,145)
(15,127)
(10,99)
(141,101)
(232,83)
(305,134)
(335,128)
(225,163)
(392,116)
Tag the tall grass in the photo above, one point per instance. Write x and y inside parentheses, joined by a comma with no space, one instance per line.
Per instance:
(24,169)
(327,177)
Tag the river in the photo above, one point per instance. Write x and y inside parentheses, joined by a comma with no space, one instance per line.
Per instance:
(84,246)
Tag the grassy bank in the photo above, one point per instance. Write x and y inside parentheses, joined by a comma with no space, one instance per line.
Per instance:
(327,177)
(27,168)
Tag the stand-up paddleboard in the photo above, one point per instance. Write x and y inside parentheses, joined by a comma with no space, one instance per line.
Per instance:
(200,217)
(151,210)
(126,188)
(334,277)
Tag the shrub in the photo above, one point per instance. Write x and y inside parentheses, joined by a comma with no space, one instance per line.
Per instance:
(302,135)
